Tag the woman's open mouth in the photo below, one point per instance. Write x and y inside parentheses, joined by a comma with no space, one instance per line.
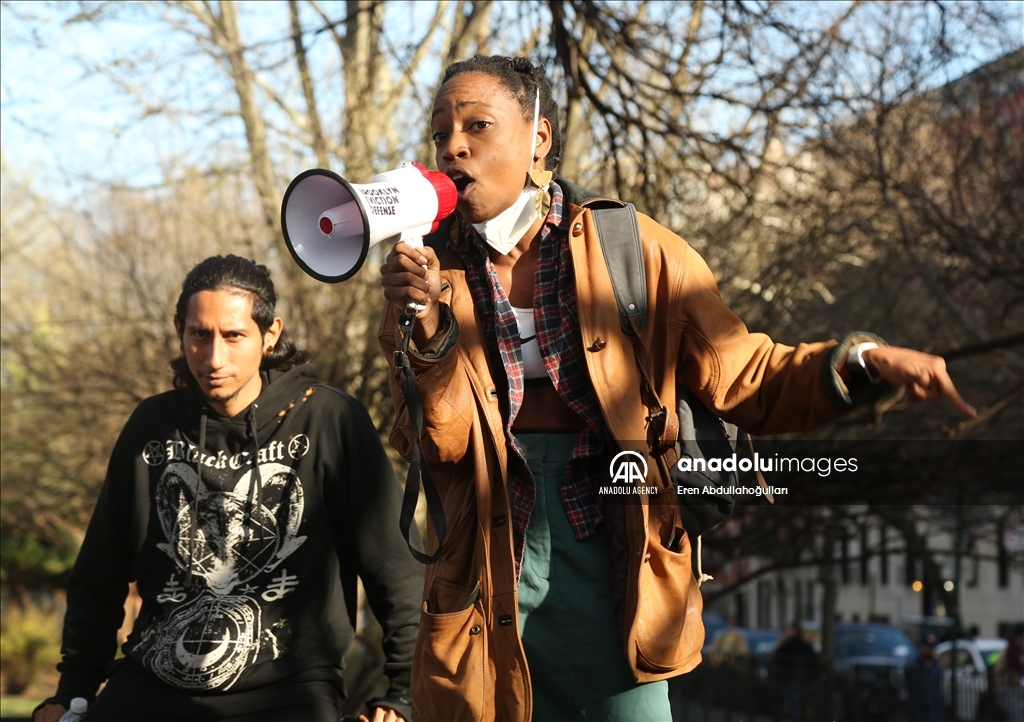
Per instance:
(462,182)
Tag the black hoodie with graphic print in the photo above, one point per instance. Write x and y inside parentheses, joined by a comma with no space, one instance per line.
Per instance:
(252,580)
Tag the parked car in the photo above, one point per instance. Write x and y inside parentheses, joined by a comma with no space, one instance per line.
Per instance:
(871,661)
(990,650)
(970,671)
(875,653)
(860,640)
(919,628)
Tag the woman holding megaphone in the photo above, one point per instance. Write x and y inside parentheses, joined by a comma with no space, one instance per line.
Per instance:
(547,601)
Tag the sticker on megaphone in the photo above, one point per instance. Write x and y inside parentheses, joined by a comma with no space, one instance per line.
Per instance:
(330,224)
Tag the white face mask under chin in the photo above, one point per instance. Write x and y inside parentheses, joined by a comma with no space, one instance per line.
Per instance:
(504,231)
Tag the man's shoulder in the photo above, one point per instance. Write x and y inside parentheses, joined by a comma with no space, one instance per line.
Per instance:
(165,397)
(322,398)
(324,393)
(302,385)
(159,405)
(155,417)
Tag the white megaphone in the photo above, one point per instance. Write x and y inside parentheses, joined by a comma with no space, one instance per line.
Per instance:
(330,224)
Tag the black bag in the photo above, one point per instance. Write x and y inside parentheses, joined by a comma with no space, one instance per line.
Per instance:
(701,434)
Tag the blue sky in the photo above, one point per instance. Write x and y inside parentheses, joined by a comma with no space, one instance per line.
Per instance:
(65,128)
(61,124)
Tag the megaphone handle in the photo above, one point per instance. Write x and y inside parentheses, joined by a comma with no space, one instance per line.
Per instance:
(412,307)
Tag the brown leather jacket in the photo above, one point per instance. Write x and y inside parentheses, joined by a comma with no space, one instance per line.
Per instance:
(469,662)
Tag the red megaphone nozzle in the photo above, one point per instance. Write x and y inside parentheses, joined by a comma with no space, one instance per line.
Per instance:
(447,193)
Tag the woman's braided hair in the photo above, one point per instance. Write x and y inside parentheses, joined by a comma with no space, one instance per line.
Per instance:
(248,278)
(522,79)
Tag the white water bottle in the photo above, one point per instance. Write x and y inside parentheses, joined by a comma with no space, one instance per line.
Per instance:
(77,711)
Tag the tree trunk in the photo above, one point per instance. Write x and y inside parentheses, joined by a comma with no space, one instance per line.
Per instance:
(315,129)
(229,40)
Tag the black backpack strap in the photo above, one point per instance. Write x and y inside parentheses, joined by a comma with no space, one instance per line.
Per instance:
(619,235)
(620,242)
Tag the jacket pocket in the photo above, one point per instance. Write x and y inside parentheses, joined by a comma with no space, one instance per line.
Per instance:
(445,598)
(449,679)
(670,632)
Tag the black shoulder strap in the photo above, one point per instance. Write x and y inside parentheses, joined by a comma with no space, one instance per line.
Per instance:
(417,464)
(620,243)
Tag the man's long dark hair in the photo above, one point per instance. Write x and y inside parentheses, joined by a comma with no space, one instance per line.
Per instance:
(248,278)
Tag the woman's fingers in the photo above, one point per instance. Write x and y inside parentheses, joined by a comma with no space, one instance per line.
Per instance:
(410,274)
(924,375)
(949,391)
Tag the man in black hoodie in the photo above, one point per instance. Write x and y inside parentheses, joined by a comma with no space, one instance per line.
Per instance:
(244,504)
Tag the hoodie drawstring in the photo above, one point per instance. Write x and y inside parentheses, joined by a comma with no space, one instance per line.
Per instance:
(255,496)
(195,501)
(253,500)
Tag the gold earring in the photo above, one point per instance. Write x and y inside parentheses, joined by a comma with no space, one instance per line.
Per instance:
(541,178)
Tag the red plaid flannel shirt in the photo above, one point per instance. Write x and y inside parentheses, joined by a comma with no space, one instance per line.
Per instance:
(561,346)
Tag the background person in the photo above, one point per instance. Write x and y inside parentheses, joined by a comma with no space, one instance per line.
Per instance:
(926,701)
(526,381)
(795,664)
(1008,673)
(244,503)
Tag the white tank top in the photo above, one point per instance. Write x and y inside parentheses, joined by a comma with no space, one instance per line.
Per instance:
(533,363)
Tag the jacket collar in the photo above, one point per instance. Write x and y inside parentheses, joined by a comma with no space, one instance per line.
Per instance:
(584,198)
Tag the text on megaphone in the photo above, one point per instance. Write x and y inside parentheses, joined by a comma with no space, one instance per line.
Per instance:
(330,224)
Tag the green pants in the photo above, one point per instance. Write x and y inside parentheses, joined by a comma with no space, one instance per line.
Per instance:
(572,641)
